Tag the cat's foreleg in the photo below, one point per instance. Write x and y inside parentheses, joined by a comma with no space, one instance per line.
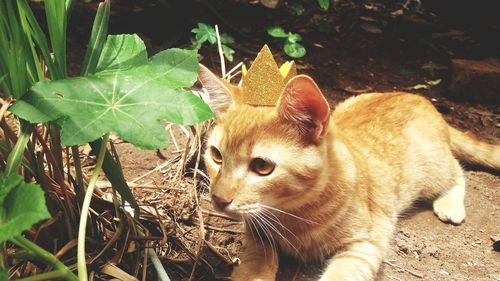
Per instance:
(360,260)
(449,206)
(360,263)
(259,262)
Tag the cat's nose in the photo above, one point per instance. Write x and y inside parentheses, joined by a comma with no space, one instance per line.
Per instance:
(221,202)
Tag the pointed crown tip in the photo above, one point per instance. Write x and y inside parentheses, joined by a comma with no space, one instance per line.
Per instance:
(263,83)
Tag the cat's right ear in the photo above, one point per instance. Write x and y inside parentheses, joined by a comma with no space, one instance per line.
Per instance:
(219,93)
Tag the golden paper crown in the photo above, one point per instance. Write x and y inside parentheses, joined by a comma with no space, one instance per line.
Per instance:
(264,82)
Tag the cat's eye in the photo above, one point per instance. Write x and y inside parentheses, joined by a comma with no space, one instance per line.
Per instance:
(262,167)
(216,155)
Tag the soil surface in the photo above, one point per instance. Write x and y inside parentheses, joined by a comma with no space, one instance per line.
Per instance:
(410,53)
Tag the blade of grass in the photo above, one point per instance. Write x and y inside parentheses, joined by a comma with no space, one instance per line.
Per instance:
(14,50)
(55,12)
(69,8)
(33,64)
(39,37)
(17,153)
(97,38)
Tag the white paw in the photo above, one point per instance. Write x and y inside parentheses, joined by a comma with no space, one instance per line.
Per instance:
(449,210)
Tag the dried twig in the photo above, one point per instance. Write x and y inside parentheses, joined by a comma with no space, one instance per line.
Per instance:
(6,103)
(416,274)
(221,54)
(198,207)
(217,253)
(233,231)
(220,215)
(158,168)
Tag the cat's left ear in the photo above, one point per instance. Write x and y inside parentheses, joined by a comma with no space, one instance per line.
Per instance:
(303,104)
(219,93)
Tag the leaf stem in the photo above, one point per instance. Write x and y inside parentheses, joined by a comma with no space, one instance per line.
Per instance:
(45,256)
(162,274)
(81,260)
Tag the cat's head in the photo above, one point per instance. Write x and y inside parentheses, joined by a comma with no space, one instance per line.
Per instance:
(261,156)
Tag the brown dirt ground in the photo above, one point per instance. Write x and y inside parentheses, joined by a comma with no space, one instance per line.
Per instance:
(343,63)
(423,248)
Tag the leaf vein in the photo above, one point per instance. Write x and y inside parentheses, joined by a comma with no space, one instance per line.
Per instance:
(153,78)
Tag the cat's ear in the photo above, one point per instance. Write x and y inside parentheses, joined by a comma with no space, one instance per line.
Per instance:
(303,104)
(219,93)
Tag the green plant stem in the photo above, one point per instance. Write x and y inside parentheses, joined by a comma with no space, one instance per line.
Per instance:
(162,274)
(81,260)
(56,150)
(45,276)
(17,153)
(45,256)
(114,174)
(79,174)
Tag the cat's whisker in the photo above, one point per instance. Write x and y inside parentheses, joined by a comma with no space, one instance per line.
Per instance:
(266,231)
(274,218)
(247,224)
(273,227)
(258,234)
(289,214)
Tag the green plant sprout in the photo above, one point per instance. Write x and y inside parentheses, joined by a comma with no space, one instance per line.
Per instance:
(206,33)
(290,41)
(296,9)
(324,4)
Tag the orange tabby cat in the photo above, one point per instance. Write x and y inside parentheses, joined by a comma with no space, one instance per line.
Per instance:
(313,183)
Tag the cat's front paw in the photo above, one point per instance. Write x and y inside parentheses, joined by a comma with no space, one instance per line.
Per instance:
(449,209)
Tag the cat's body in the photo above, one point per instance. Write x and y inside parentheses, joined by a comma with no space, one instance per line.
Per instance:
(337,182)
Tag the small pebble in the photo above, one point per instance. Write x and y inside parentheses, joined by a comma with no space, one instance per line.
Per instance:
(496,246)
(444,272)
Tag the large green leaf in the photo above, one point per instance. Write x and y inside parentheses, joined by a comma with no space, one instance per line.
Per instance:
(7,184)
(121,53)
(3,275)
(125,97)
(21,205)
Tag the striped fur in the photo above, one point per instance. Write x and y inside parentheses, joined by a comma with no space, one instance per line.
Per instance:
(336,195)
